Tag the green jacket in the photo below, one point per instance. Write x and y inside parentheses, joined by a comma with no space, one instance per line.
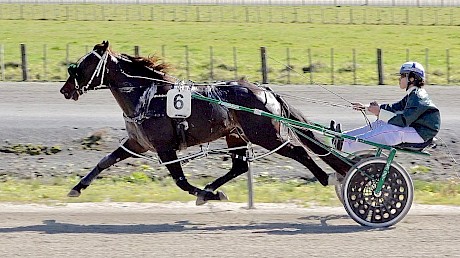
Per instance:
(418,111)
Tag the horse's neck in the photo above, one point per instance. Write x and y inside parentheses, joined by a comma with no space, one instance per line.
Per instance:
(132,97)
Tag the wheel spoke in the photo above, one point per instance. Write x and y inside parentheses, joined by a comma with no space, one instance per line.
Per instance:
(384,208)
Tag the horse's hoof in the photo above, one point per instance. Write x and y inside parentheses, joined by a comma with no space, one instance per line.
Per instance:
(73,193)
(222,196)
(209,195)
(200,201)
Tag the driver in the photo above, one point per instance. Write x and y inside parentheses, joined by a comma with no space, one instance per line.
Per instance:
(414,119)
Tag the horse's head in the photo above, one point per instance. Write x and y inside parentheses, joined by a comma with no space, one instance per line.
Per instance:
(87,73)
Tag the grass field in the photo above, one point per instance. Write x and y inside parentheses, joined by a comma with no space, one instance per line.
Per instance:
(284,40)
(138,187)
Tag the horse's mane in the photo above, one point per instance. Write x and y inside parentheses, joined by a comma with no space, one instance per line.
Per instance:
(152,62)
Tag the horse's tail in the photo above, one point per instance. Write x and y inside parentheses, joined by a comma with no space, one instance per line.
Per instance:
(308,139)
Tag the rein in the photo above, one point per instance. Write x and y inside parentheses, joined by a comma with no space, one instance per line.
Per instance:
(101,70)
(330,91)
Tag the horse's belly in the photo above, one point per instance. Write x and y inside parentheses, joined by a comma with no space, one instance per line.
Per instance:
(207,125)
(138,133)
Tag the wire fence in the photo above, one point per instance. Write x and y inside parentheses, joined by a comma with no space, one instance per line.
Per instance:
(234,14)
(284,66)
(230,14)
(418,3)
(312,65)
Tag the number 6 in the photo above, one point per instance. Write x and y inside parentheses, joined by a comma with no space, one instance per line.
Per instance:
(178,103)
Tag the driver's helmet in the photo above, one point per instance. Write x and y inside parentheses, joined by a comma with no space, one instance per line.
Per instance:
(414,67)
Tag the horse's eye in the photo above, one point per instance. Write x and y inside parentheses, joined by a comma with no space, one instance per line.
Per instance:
(73,70)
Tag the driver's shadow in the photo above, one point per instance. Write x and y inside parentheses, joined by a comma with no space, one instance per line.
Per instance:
(308,225)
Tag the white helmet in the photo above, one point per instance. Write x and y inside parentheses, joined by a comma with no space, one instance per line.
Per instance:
(414,67)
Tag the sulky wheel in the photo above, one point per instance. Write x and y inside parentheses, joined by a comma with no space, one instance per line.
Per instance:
(356,157)
(387,207)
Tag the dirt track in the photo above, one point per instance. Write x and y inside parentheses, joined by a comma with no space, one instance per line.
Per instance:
(220,230)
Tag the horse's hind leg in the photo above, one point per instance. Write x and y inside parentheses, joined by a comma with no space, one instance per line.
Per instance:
(175,169)
(267,136)
(116,156)
(239,162)
(298,153)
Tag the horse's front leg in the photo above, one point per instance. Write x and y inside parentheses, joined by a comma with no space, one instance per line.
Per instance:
(175,169)
(116,156)
(239,166)
(239,163)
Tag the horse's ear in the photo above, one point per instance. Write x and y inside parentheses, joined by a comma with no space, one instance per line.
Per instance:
(101,48)
(105,44)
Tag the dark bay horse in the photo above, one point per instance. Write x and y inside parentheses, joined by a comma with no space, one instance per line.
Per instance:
(139,84)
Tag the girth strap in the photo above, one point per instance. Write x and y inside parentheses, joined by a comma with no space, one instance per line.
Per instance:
(181,126)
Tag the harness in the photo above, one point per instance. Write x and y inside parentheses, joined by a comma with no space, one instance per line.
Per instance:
(180,124)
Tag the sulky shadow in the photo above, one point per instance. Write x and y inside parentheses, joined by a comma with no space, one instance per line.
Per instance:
(306,225)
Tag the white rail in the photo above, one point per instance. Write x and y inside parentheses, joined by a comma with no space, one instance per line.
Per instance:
(420,3)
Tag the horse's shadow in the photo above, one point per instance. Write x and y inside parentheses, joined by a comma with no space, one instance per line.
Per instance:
(312,225)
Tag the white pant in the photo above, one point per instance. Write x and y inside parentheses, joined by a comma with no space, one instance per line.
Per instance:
(382,133)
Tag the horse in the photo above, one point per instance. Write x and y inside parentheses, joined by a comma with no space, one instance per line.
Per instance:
(139,85)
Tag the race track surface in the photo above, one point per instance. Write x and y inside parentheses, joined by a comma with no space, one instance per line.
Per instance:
(219,230)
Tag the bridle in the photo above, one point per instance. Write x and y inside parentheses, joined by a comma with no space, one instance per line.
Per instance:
(99,71)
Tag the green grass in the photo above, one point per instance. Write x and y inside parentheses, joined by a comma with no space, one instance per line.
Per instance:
(138,187)
(168,37)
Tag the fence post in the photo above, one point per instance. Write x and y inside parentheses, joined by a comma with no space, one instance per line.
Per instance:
(288,70)
(211,64)
(407,16)
(354,66)
(365,16)
(332,66)
(21,12)
(246,12)
(421,17)
(295,15)
(436,17)
(336,16)
(187,67)
(136,51)
(45,70)
(25,75)
(310,65)
(392,15)
(263,55)
(351,16)
(426,64)
(380,66)
(270,16)
(67,62)
(235,64)
(322,16)
(2,61)
(448,65)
